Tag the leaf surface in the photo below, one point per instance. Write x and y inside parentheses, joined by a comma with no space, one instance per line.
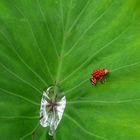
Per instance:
(65,40)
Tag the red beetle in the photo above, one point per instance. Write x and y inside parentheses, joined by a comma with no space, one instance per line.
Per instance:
(98,74)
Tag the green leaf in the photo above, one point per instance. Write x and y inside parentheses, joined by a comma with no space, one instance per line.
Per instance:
(65,40)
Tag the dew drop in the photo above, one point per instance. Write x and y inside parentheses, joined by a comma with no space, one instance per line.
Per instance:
(51,109)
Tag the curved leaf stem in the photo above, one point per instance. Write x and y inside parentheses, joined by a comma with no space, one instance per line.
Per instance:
(63,41)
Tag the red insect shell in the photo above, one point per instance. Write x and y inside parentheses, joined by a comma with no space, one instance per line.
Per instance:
(98,74)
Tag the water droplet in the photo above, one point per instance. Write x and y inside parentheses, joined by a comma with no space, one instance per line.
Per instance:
(51,110)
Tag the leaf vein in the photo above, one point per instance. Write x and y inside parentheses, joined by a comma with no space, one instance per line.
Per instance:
(18,77)
(92,56)
(20,58)
(19,96)
(83,129)
(35,39)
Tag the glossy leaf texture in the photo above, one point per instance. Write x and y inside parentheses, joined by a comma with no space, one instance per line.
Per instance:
(65,40)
